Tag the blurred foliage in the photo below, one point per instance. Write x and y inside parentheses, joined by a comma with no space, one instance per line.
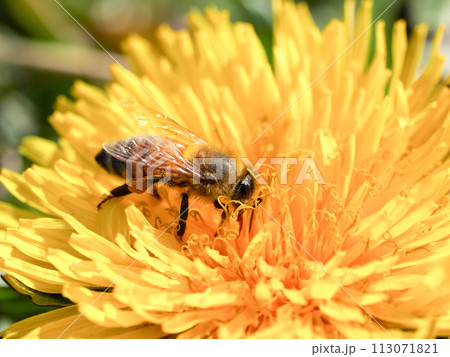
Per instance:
(16,307)
(43,50)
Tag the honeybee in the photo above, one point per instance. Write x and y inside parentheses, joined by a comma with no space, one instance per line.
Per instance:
(168,153)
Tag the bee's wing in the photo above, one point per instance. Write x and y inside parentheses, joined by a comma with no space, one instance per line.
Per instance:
(150,121)
(154,155)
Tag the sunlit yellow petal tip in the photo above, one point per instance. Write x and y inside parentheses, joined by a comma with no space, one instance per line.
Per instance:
(364,255)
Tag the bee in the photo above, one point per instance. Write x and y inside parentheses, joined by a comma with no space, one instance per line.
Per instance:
(168,153)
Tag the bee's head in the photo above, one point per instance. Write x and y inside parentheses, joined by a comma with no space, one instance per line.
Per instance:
(243,190)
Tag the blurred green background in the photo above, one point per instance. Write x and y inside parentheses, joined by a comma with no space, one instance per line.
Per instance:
(43,51)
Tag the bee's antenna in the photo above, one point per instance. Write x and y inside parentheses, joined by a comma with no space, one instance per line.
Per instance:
(258,202)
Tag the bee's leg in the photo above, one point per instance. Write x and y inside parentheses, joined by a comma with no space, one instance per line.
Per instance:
(222,219)
(257,203)
(156,194)
(251,222)
(240,220)
(224,213)
(128,188)
(117,192)
(151,189)
(184,213)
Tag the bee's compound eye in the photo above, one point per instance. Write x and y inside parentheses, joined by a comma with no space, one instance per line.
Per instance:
(244,189)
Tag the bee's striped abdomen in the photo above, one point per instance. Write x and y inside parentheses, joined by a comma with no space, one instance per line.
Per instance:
(111,164)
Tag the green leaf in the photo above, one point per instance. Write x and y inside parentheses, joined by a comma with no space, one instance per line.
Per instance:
(37,297)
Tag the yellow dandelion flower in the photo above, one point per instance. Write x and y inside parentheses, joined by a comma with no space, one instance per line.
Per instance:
(365,255)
